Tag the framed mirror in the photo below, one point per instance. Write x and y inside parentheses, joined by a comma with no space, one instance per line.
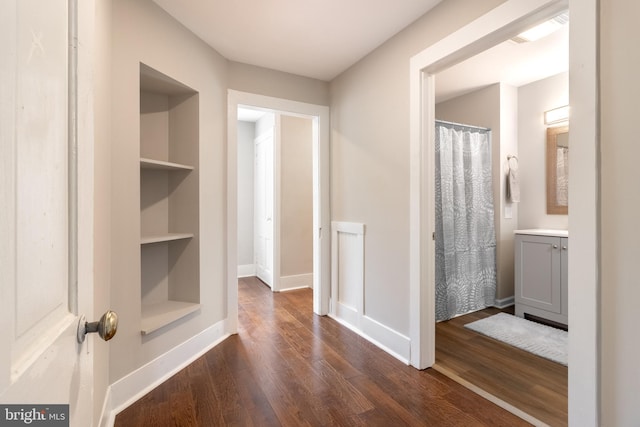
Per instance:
(558,170)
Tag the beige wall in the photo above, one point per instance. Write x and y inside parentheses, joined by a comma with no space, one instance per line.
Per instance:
(484,108)
(142,32)
(370,155)
(102,192)
(620,205)
(263,81)
(296,197)
(533,100)
(246,135)
(508,220)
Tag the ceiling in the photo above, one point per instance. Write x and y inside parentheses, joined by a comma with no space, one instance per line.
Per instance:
(318,39)
(321,39)
(509,62)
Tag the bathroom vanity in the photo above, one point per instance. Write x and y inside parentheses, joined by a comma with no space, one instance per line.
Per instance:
(541,274)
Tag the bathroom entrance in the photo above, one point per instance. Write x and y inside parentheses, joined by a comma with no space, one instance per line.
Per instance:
(424,84)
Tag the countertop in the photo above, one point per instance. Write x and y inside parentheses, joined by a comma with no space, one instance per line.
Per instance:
(544,232)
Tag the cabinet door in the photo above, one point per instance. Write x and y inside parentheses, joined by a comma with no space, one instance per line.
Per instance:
(538,272)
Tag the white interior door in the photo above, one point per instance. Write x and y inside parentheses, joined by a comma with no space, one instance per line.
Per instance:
(41,362)
(263,206)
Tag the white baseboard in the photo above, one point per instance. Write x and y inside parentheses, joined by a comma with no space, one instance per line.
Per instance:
(298,281)
(346,315)
(383,337)
(136,384)
(391,341)
(246,270)
(504,302)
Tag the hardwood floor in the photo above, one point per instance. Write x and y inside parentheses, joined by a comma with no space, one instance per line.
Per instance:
(531,383)
(287,366)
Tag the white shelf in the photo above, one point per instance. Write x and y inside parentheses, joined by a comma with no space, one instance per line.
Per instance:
(162,165)
(145,240)
(158,315)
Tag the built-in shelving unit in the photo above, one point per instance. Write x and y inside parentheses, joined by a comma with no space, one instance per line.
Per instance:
(169,200)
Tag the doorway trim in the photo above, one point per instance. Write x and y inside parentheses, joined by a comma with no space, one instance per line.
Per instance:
(321,195)
(497,25)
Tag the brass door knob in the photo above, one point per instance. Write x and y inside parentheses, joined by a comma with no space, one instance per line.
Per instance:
(106,327)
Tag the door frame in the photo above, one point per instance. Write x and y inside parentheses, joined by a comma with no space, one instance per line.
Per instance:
(498,25)
(321,196)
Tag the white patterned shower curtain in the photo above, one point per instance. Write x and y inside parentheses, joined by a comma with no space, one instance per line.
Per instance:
(465,230)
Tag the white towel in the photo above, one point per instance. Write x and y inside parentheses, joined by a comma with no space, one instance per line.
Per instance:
(513,185)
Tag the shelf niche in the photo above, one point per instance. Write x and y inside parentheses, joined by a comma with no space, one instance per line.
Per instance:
(169,200)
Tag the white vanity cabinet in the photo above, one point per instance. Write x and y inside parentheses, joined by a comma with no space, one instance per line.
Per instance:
(541,274)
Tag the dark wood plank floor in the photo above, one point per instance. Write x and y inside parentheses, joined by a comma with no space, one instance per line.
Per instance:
(289,367)
(535,385)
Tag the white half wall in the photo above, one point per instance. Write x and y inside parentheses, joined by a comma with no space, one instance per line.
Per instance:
(348,291)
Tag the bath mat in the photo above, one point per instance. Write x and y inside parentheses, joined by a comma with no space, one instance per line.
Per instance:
(541,340)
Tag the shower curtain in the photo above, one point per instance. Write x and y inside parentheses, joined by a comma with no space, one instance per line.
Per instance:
(465,230)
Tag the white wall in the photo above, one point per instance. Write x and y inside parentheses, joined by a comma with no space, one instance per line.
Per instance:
(533,100)
(370,155)
(620,204)
(246,135)
(296,236)
(142,32)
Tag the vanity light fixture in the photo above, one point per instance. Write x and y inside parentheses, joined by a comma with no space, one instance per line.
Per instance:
(556,116)
(543,29)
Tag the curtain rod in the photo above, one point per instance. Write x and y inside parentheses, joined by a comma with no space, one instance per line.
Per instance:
(462,125)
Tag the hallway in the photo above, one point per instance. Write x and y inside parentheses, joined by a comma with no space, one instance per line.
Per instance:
(289,367)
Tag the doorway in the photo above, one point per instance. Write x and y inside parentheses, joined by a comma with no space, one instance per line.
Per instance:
(505,21)
(319,116)
(520,80)
(275,193)
(256,139)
